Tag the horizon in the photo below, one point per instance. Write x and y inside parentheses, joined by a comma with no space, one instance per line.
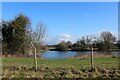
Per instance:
(67,20)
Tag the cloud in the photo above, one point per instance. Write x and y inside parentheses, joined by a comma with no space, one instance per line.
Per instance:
(60,37)
(65,36)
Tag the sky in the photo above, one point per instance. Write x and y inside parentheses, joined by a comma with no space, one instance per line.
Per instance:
(60,0)
(66,20)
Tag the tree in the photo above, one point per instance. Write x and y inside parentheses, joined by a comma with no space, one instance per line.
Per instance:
(37,38)
(14,33)
(107,40)
(69,44)
(39,33)
(20,25)
(118,44)
(81,44)
(88,41)
(0,38)
(6,32)
(62,46)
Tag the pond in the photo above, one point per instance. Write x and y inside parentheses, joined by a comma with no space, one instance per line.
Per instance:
(65,54)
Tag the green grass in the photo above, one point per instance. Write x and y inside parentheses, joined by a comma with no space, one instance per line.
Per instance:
(62,68)
(104,62)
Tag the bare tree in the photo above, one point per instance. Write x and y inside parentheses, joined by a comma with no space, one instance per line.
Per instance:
(108,39)
(39,33)
(37,37)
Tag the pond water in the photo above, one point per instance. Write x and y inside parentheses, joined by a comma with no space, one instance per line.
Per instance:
(65,54)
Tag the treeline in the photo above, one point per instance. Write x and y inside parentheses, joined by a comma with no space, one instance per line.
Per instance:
(17,36)
(106,41)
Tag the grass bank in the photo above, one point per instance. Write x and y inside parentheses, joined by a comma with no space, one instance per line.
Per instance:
(106,62)
(105,67)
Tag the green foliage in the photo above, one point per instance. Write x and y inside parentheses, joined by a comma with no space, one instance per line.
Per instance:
(17,35)
(7,36)
(14,34)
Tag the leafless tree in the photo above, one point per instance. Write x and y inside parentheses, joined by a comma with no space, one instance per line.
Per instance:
(37,36)
(108,39)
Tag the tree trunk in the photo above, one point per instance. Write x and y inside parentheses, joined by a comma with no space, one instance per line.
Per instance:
(35,58)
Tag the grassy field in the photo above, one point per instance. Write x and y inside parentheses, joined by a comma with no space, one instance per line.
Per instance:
(105,67)
(106,62)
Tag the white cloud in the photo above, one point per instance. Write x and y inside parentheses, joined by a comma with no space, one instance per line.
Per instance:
(65,36)
(61,37)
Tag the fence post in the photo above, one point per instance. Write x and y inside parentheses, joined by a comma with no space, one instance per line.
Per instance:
(92,62)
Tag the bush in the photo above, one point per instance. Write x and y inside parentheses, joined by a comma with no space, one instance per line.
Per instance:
(62,46)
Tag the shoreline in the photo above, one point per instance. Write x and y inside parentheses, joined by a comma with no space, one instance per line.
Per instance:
(80,56)
(84,50)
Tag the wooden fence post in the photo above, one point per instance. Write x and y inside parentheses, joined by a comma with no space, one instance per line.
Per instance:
(92,62)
